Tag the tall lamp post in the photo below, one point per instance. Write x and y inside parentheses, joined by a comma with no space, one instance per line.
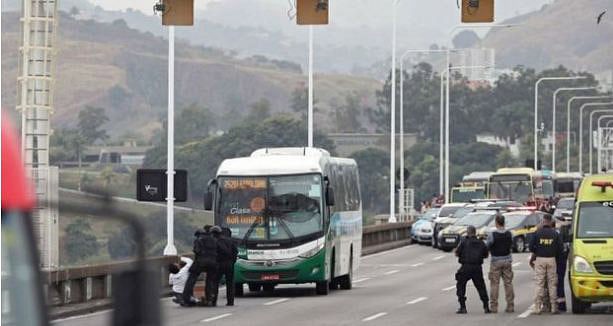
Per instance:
(447,192)
(170,248)
(536,94)
(569,106)
(581,129)
(555,94)
(392,218)
(599,163)
(592,133)
(310,110)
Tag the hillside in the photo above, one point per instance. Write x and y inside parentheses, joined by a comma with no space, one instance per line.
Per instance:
(564,32)
(124,70)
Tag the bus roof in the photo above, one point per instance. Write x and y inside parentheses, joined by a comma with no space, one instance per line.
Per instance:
(515,171)
(569,175)
(597,187)
(477,176)
(281,161)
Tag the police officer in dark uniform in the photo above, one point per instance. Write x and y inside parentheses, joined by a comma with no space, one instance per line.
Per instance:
(226,256)
(205,251)
(471,252)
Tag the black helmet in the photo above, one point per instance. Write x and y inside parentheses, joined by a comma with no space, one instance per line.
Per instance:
(215,229)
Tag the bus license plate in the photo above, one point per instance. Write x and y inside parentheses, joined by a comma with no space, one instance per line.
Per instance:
(270,277)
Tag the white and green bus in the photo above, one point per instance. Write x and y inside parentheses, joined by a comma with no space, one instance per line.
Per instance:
(296,215)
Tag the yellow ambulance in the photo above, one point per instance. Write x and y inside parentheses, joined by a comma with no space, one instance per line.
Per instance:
(591,256)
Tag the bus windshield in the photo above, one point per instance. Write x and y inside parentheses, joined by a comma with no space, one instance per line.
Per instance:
(513,187)
(271,208)
(464,195)
(595,220)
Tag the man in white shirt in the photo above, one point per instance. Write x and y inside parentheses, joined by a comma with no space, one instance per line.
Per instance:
(178,274)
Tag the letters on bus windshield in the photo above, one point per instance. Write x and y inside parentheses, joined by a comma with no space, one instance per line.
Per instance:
(271,208)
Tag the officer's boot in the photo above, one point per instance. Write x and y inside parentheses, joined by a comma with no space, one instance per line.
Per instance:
(462,309)
(486,307)
(562,306)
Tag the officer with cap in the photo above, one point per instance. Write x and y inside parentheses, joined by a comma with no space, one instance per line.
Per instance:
(205,251)
(471,252)
(546,246)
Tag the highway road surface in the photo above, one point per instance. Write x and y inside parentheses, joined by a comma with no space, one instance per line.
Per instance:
(412,285)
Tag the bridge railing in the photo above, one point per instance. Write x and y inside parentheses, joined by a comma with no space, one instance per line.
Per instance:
(87,284)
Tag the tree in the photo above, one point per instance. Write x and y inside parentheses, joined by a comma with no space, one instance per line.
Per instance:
(374,177)
(260,111)
(300,102)
(348,114)
(90,122)
(108,176)
(80,243)
(193,123)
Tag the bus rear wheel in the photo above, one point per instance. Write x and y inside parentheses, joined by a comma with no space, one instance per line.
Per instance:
(346,281)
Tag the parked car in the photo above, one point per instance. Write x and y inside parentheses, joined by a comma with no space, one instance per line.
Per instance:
(444,219)
(450,236)
(421,231)
(564,209)
(522,224)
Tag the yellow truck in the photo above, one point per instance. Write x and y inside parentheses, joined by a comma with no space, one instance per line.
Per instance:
(591,255)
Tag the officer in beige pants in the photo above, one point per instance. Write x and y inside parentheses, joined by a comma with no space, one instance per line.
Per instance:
(546,245)
(499,243)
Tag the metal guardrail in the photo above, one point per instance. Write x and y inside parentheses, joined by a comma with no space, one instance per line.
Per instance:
(77,285)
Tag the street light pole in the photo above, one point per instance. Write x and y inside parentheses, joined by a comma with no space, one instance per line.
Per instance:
(310,110)
(536,92)
(170,249)
(447,192)
(555,94)
(392,218)
(581,131)
(599,163)
(592,133)
(568,107)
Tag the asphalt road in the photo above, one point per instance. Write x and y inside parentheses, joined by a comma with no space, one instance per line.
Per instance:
(412,285)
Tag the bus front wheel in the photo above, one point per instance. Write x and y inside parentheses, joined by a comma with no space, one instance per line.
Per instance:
(322,288)
(238,289)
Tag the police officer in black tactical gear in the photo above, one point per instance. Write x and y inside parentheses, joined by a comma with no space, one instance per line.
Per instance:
(471,252)
(227,253)
(205,251)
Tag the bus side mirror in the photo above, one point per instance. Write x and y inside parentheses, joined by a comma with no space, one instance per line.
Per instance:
(330,196)
(208,201)
(208,195)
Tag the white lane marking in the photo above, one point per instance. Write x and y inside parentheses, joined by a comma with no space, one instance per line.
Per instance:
(391,272)
(417,300)
(375,316)
(449,288)
(527,312)
(270,303)
(417,265)
(215,318)
(516,264)
(82,316)
(438,257)
(361,280)
(387,252)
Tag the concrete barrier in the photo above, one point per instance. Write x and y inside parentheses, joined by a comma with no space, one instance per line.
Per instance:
(83,289)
